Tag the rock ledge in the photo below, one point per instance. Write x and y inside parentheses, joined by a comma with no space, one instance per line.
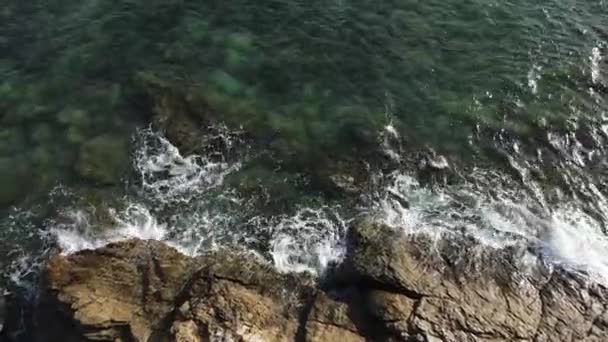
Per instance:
(391,287)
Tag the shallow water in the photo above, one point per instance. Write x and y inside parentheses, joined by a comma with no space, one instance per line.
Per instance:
(512,94)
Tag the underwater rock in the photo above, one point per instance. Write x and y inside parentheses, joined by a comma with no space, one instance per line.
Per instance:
(226,82)
(344,183)
(174,115)
(339,178)
(104,159)
(391,287)
(74,117)
(41,133)
(3,309)
(11,140)
(11,181)
(74,135)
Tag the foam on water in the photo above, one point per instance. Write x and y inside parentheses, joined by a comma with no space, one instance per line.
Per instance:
(77,233)
(19,235)
(595,60)
(564,233)
(534,75)
(310,240)
(576,241)
(168,176)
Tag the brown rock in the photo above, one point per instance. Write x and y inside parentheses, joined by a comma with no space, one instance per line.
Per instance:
(120,292)
(330,320)
(393,310)
(238,298)
(574,309)
(174,115)
(460,291)
(145,290)
(186,331)
(393,287)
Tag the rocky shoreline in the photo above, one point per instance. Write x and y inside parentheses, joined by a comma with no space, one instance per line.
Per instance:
(390,287)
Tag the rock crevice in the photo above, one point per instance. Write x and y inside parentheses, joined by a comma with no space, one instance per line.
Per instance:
(391,287)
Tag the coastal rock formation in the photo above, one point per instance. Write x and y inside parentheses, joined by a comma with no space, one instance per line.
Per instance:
(391,287)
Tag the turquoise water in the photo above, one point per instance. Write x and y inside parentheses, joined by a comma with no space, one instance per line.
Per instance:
(511,93)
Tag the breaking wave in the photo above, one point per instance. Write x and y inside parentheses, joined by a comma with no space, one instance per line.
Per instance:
(561,234)
(208,216)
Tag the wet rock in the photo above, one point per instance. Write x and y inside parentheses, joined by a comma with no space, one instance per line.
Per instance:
(181,121)
(433,167)
(403,202)
(145,290)
(574,309)
(341,178)
(433,162)
(237,298)
(393,310)
(392,287)
(331,320)
(121,292)
(454,291)
(344,183)
(104,159)
(183,130)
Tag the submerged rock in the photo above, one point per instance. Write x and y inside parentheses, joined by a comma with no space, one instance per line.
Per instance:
(3,309)
(104,159)
(13,174)
(347,177)
(392,287)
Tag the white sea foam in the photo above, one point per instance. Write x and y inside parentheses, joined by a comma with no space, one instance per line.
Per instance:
(595,59)
(311,240)
(77,233)
(168,176)
(534,76)
(566,234)
(308,241)
(314,238)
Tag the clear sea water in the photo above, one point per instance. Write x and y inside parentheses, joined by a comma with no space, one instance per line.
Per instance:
(512,94)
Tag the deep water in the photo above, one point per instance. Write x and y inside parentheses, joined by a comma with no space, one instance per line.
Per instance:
(512,95)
